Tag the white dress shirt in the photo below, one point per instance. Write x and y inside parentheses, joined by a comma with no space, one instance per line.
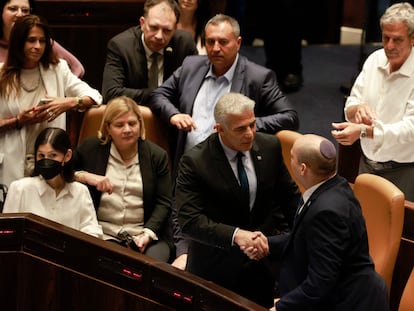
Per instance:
(73,206)
(391,97)
(210,91)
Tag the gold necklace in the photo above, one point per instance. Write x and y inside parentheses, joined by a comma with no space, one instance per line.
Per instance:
(33,87)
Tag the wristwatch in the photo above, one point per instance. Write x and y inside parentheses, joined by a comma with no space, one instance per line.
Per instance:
(363,131)
(79,104)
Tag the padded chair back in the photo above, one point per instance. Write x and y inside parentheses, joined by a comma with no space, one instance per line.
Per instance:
(382,205)
(287,139)
(155,130)
(91,122)
(407,298)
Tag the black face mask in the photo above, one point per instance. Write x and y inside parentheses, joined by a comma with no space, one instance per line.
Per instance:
(48,168)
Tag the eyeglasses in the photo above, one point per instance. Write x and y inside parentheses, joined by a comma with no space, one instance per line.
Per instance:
(15,9)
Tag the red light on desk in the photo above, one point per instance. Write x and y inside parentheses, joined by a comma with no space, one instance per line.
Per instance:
(137,275)
(188,299)
(181,296)
(132,274)
(7,232)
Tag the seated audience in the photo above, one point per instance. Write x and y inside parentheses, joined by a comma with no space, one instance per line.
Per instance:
(52,192)
(131,54)
(36,91)
(129,180)
(325,261)
(14,9)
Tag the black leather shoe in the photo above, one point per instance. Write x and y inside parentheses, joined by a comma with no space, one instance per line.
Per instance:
(292,83)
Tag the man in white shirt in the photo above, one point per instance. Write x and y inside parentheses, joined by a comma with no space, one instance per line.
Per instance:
(380,109)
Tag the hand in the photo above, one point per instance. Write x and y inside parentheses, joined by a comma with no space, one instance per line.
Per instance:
(180,262)
(361,113)
(32,116)
(183,122)
(142,241)
(56,107)
(346,133)
(253,244)
(102,183)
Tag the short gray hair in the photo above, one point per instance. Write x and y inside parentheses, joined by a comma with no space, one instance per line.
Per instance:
(221,18)
(399,12)
(232,103)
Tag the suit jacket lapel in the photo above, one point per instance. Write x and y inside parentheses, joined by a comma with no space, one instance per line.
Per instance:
(313,198)
(194,85)
(259,166)
(225,170)
(237,83)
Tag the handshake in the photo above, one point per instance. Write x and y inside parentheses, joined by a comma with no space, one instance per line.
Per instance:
(253,244)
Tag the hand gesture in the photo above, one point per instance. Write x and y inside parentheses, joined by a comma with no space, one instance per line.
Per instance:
(346,133)
(253,244)
(183,122)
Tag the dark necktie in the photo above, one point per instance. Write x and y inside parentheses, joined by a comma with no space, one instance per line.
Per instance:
(244,182)
(153,72)
(301,202)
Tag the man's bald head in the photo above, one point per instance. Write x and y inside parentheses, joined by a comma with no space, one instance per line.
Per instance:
(317,152)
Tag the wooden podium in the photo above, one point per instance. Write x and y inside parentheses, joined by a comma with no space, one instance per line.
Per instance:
(47,266)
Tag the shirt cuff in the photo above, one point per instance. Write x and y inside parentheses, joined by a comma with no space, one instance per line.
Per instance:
(234,234)
(150,233)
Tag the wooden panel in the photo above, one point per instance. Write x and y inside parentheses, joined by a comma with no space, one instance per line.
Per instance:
(48,266)
(354,13)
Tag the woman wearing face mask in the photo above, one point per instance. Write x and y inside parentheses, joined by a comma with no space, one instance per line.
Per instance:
(52,192)
(11,10)
(31,73)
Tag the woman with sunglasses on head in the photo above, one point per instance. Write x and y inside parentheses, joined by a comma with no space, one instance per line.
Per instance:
(36,91)
(52,192)
(11,10)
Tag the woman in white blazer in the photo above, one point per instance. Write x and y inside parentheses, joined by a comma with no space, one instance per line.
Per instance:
(36,90)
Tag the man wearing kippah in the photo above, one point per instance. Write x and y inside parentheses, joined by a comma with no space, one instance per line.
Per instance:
(325,261)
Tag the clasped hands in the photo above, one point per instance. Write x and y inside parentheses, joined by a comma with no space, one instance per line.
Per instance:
(253,244)
(45,111)
(346,133)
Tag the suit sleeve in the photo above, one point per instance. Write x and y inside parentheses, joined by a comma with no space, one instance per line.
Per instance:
(163,101)
(194,221)
(274,112)
(115,76)
(329,236)
(162,191)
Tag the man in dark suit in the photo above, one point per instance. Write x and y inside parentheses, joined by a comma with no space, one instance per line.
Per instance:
(325,259)
(128,61)
(218,216)
(186,100)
